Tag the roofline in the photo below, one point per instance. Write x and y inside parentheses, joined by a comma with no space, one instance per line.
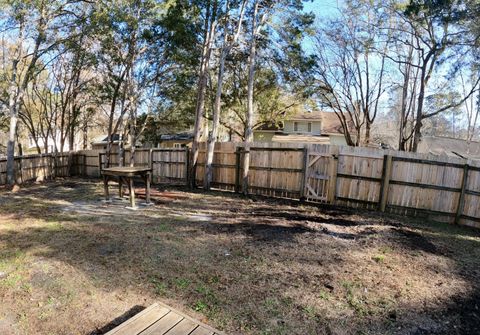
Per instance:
(177,139)
(301,134)
(268,131)
(304,119)
(330,134)
(104,142)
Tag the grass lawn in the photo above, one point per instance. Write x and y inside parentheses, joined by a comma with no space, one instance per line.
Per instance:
(70,264)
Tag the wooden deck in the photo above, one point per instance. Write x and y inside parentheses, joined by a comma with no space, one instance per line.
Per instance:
(160,319)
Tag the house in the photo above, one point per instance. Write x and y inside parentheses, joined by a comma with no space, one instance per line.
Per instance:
(52,141)
(101,142)
(306,127)
(179,140)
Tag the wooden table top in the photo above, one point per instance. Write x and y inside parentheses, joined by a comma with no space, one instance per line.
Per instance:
(126,170)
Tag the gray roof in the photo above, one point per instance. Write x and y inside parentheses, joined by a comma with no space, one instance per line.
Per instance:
(185,136)
(103,139)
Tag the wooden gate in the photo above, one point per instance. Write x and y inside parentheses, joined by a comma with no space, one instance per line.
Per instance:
(320,177)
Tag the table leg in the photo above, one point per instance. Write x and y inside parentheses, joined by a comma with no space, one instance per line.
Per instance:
(147,191)
(105,187)
(132,192)
(120,187)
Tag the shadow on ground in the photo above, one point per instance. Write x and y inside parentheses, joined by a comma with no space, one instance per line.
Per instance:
(250,266)
(118,321)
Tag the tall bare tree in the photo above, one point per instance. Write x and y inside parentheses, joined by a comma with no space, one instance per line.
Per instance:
(229,40)
(429,40)
(209,33)
(472,109)
(256,23)
(351,72)
(39,27)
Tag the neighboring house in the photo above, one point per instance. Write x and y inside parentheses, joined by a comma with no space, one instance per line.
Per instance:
(306,127)
(179,140)
(101,142)
(51,142)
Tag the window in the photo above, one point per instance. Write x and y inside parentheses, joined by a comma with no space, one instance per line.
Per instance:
(177,145)
(295,126)
(309,127)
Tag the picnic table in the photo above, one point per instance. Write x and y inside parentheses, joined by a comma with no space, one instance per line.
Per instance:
(126,175)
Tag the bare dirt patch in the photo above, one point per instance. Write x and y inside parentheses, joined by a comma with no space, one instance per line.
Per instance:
(248,266)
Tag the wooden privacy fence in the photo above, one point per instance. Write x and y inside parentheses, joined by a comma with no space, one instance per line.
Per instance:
(37,167)
(168,165)
(446,189)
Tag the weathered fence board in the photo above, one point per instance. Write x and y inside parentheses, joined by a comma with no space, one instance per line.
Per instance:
(39,167)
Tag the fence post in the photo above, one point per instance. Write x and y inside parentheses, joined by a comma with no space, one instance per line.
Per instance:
(461,198)
(69,165)
(100,163)
(187,165)
(304,178)
(53,166)
(193,167)
(150,159)
(84,165)
(386,173)
(332,185)
(20,169)
(237,169)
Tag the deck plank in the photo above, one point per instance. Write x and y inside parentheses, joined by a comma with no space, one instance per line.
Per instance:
(160,319)
(141,321)
(201,324)
(201,331)
(163,325)
(184,327)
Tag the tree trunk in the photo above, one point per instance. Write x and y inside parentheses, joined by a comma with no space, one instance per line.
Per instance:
(111,128)
(55,159)
(249,116)
(368,126)
(45,144)
(133,138)
(473,118)
(121,151)
(419,116)
(85,135)
(71,139)
(13,111)
(16,96)
(213,136)
(403,110)
(109,138)
(20,154)
(210,24)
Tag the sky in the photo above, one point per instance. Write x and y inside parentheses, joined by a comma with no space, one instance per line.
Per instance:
(329,9)
(323,8)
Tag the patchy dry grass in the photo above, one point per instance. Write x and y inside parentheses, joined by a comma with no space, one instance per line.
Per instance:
(70,264)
